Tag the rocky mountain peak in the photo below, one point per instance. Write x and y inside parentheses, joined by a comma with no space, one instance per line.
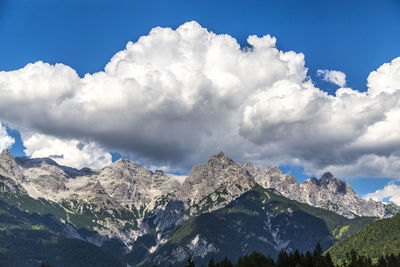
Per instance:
(334,185)
(273,178)
(274,169)
(220,159)
(220,174)
(219,155)
(125,170)
(125,163)
(8,166)
(6,154)
(312,180)
(327,176)
(26,162)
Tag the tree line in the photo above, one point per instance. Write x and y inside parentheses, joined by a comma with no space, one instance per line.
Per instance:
(317,258)
(309,259)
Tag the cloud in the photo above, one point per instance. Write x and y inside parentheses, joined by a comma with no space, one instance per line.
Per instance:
(390,192)
(6,141)
(71,152)
(176,96)
(333,76)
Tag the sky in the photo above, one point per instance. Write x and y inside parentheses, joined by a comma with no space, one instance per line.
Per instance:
(310,86)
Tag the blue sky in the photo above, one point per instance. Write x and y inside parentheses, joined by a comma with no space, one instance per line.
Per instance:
(354,37)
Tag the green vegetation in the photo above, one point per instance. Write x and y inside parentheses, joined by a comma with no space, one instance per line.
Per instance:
(27,239)
(339,232)
(293,259)
(352,226)
(32,232)
(249,221)
(381,237)
(308,259)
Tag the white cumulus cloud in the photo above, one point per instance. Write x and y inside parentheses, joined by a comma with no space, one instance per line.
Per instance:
(333,76)
(390,192)
(71,152)
(174,97)
(6,141)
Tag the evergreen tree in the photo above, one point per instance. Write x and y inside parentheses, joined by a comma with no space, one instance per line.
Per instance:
(308,260)
(328,260)
(256,259)
(297,258)
(283,259)
(189,262)
(225,263)
(211,263)
(317,251)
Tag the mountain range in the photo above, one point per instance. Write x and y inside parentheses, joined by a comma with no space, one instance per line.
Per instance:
(127,214)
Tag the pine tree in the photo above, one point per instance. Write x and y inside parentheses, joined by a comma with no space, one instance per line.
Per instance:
(189,262)
(297,258)
(317,251)
(226,263)
(328,260)
(211,263)
(283,259)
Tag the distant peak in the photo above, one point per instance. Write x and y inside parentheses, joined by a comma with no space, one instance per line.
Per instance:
(250,164)
(274,169)
(161,172)
(6,153)
(327,176)
(123,161)
(220,157)
(313,180)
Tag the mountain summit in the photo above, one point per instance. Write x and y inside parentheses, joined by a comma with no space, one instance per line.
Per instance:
(212,184)
(154,217)
(216,182)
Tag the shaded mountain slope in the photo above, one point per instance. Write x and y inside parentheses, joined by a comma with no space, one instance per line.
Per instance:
(257,220)
(28,239)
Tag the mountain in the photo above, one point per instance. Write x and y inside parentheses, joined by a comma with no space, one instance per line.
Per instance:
(138,216)
(259,219)
(133,186)
(212,185)
(380,238)
(31,234)
(328,193)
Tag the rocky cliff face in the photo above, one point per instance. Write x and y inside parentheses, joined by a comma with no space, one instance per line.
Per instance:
(333,194)
(214,184)
(126,202)
(123,183)
(208,187)
(328,193)
(134,186)
(111,201)
(141,213)
(9,168)
(273,178)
